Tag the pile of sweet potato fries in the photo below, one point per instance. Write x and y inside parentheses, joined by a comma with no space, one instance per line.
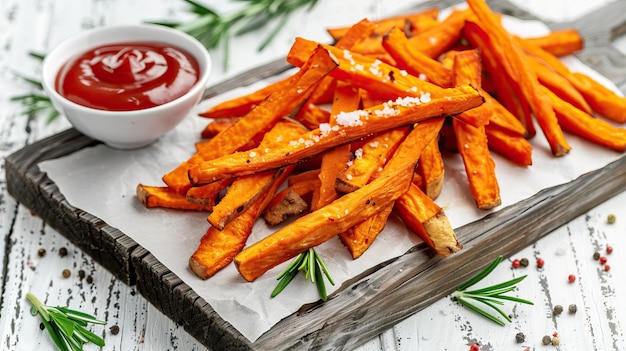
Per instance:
(356,134)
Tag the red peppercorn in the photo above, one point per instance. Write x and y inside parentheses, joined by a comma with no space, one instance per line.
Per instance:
(603,260)
(571,278)
(474,347)
(516,263)
(609,249)
(540,263)
(607,268)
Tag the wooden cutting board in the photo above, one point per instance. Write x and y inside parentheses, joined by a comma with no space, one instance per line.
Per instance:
(379,298)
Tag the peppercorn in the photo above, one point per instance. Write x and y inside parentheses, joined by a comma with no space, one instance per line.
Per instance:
(556,341)
(540,263)
(89,279)
(557,309)
(523,262)
(520,337)
(609,250)
(607,268)
(611,218)
(63,252)
(546,340)
(603,259)
(115,329)
(66,273)
(571,278)
(41,252)
(42,326)
(474,347)
(515,263)
(596,255)
(81,274)
(572,308)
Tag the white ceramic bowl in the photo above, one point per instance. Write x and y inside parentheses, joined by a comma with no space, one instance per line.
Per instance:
(125,129)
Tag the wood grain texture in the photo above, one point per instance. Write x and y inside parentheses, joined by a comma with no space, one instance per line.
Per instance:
(352,316)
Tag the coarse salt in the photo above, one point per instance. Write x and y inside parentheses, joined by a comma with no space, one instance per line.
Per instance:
(358,153)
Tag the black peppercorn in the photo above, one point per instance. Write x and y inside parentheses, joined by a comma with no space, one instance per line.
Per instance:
(41,252)
(547,340)
(520,337)
(115,329)
(558,309)
(63,252)
(66,273)
(596,255)
(523,262)
(572,308)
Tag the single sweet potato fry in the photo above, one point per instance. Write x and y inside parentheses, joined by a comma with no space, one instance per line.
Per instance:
(510,145)
(560,42)
(285,205)
(354,126)
(593,129)
(243,104)
(431,169)
(217,248)
(423,216)
(382,26)
(438,39)
(164,197)
(472,141)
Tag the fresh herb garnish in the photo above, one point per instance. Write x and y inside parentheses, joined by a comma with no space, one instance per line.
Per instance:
(490,296)
(314,268)
(213,29)
(65,326)
(36,102)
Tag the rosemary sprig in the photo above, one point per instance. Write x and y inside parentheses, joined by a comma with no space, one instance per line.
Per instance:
(491,296)
(65,326)
(36,102)
(213,29)
(314,268)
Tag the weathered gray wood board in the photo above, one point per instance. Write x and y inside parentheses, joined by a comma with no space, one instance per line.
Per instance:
(371,303)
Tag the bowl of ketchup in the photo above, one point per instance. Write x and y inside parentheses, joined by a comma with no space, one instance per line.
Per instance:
(126,85)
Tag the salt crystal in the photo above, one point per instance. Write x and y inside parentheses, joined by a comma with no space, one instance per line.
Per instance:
(358,153)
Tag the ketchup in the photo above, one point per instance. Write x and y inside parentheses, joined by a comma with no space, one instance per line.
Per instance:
(128,76)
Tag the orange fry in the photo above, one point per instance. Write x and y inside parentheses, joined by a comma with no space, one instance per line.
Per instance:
(355,125)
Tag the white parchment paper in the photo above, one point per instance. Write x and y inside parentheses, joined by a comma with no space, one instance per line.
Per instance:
(102,181)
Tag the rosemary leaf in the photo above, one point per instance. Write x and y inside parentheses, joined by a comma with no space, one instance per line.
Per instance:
(485,272)
(491,296)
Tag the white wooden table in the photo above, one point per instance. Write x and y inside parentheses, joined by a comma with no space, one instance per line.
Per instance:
(37,25)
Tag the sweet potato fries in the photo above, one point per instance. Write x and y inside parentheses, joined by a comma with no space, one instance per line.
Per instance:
(357,134)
